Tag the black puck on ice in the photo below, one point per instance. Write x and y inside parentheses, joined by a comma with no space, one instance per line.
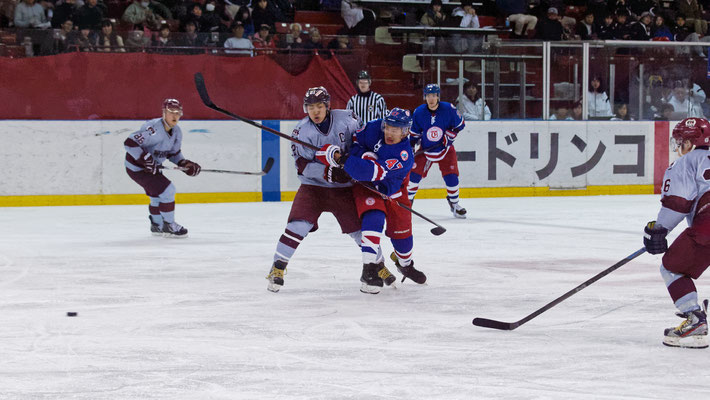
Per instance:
(71,314)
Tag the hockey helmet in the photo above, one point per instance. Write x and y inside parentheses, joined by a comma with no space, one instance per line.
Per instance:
(696,130)
(364,75)
(432,88)
(316,95)
(399,118)
(172,105)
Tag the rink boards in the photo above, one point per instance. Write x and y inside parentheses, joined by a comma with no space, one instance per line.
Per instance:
(81,162)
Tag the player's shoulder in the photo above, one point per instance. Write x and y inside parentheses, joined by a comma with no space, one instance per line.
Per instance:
(342,114)
(420,110)
(152,123)
(447,107)
(303,122)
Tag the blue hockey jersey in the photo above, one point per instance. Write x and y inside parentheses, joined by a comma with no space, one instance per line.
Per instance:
(436,130)
(394,161)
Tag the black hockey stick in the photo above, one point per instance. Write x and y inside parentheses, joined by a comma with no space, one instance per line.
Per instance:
(509,326)
(202,91)
(264,171)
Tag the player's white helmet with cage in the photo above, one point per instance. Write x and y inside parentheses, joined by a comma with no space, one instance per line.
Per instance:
(695,130)
(173,106)
(316,95)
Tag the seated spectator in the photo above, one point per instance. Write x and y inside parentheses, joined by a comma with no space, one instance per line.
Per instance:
(264,39)
(314,40)
(660,29)
(210,21)
(597,100)
(586,29)
(682,33)
(244,16)
(163,40)
(605,29)
(433,16)
(686,102)
(341,43)
(108,40)
(359,21)
(561,114)
(238,44)
(622,113)
(90,14)
(190,38)
(136,41)
(692,12)
(139,15)
(621,29)
(63,12)
(82,40)
(471,105)
(467,15)
(265,12)
(550,28)
(577,111)
(29,14)
(294,39)
(517,13)
(665,113)
(194,14)
(58,43)
(641,30)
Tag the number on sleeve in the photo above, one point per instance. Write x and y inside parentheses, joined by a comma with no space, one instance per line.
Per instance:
(666,185)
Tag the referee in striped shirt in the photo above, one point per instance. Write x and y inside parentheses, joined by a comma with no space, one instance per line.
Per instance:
(366,104)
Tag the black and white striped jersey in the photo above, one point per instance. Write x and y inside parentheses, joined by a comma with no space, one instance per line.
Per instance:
(367,107)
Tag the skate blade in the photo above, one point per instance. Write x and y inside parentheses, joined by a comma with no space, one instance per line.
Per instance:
(690,342)
(158,234)
(369,289)
(173,236)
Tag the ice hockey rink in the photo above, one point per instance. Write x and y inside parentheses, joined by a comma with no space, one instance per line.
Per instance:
(192,319)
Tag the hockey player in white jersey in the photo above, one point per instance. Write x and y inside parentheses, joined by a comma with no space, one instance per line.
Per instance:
(685,194)
(325,187)
(158,140)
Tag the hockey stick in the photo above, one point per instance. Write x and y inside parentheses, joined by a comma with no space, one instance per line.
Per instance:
(509,326)
(202,91)
(264,171)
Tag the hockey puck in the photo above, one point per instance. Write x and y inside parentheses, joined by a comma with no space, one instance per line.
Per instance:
(71,314)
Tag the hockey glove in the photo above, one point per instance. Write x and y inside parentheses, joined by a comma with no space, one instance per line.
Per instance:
(190,168)
(335,175)
(326,155)
(654,238)
(148,163)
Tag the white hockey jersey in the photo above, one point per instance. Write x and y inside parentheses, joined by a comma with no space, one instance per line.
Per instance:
(686,191)
(343,124)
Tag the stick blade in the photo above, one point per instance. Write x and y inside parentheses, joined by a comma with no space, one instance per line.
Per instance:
(268,165)
(436,231)
(202,89)
(489,323)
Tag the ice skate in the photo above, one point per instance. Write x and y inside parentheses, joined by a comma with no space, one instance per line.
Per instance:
(174,230)
(691,333)
(276,276)
(409,271)
(371,280)
(386,275)
(456,209)
(155,229)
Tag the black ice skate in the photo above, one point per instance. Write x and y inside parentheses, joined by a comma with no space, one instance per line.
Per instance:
(386,275)
(276,276)
(456,209)
(691,333)
(371,280)
(155,229)
(409,271)
(174,230)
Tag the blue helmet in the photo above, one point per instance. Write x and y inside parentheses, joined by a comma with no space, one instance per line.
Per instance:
(432,88)
(399,118)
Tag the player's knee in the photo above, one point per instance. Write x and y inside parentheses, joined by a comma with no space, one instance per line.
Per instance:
(414,177)
(451,180)
(300,227)
(168,195)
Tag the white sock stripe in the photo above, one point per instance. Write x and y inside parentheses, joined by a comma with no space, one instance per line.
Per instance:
(292,238)
(404,255)
(282,256)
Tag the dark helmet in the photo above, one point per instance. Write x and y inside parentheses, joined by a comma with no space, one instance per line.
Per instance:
(432,88)
(172,105)
(364,75)
(697,130)
(316,95)
(399,118)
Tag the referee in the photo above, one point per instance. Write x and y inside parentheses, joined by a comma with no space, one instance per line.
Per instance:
(366,104)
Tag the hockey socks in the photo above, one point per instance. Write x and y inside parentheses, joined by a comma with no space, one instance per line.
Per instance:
(413,185)
(289,241)
(373,223)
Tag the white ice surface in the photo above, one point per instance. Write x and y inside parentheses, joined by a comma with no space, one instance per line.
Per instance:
(175,319)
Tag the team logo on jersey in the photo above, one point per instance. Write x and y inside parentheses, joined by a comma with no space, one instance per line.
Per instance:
(434,134)
(404,155)
(377,146)
(370,201)
(393,164)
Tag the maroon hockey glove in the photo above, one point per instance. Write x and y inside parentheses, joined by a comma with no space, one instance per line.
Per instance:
(326,155)
(191,168)
(148,163)
(654,238)
(335,175)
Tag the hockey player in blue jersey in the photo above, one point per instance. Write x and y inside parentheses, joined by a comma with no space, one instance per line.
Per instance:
(158,140)
(380,154)
(435,126)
